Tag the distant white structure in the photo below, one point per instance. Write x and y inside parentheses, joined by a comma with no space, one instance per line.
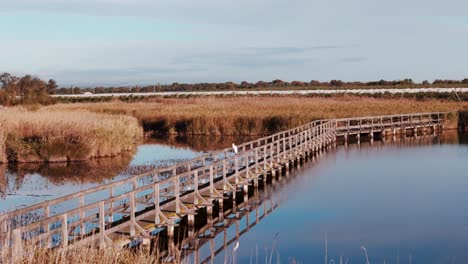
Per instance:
(88,93)
(273,92)
(234,147)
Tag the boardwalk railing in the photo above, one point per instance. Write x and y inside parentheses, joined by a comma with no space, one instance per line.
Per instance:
(138,207)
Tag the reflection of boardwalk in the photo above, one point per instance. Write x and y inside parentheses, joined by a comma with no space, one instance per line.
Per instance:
(132,210)
(254,208)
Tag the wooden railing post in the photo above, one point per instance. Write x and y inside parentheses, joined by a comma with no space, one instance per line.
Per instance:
(17,245)
(111,206)
(82,216)
(47,229)
(272,153)
(195,187)
(64,230)
(177,193)
(102,224)
(211,181)
(132,213)
(256,161)
(156,201)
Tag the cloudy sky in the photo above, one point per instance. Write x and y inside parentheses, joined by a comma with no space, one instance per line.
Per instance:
(108,42)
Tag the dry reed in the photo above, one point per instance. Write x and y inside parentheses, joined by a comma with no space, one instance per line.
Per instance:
(3,156)
(82,255)
(34,136)
(253,115)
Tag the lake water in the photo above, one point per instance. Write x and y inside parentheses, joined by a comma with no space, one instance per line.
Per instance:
(402,202)
(399,202)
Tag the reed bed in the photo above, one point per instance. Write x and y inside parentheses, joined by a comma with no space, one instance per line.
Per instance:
(253,115)
(82,255)
(55,136)
(3,156)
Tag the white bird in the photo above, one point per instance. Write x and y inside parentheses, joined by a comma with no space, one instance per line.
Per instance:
(236,246)
(234,147)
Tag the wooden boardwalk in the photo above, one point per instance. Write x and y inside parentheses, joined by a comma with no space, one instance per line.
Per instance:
(139,208)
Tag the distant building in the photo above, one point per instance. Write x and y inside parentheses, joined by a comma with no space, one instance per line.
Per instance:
(88,93)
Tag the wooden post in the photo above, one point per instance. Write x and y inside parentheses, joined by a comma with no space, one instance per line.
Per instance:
(236,167)
(284,148)
(102,225)
(17,245)
(111,214)
(82,216)
(49,236)
(212,192)
(64,230)
(156,201)
(132,213)
(224,176)
(256,162)
(272,153)
(195,187)
(177,193)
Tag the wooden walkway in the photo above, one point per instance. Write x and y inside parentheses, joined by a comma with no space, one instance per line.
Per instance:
(138,208)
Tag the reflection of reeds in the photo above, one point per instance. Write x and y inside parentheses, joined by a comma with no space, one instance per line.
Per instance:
(81,255)
(64,136)
(253,115)
(91,171)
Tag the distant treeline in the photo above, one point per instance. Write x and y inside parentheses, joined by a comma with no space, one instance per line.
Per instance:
(31,89)
(263,85)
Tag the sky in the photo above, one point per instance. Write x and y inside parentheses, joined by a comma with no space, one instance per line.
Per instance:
(136,42)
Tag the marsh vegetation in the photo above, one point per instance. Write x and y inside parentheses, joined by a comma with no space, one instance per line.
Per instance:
(53,136)
(251,115)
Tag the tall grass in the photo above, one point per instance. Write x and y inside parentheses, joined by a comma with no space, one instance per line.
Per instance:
(52,136)
(3,156)
(253,115)
(82,255)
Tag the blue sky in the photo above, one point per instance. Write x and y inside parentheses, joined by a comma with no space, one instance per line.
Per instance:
(124,42)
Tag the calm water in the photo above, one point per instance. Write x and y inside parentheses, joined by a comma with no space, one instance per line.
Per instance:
(403,202)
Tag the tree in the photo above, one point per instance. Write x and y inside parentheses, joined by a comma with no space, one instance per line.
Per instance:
(336,83)
(277,82)
(51,86)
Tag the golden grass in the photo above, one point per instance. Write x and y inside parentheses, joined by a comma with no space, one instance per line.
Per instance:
(253,115)
(83,255)
(52,136)
(3,157)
